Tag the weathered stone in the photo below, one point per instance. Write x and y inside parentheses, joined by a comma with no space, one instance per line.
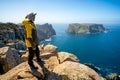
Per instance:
(74,71)
(24,57)
(24,72)
(20,45)
(65,56)
(47,55)
(50,49)
(113,76)
(50,60)
(9,58)
(45,52)
(51,63)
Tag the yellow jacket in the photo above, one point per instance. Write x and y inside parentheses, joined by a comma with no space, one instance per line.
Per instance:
(30,33)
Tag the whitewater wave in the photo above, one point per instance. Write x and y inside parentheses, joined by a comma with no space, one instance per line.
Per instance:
(48,39)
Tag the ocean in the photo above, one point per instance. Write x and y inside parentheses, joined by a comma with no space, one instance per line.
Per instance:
(100,49)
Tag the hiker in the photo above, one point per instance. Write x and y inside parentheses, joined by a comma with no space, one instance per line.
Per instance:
(31,39)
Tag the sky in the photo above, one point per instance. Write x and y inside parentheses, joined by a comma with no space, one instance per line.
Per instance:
(61,11)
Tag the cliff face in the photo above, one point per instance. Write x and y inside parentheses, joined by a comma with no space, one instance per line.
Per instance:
(45,31)
(14,34)
(85,28)
(10,32)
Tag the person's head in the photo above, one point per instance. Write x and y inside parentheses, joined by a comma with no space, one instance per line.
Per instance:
(31,16)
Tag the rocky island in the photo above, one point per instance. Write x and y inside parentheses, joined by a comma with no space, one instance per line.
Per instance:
(77,28)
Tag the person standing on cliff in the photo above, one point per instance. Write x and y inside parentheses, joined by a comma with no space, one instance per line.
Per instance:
(31,39)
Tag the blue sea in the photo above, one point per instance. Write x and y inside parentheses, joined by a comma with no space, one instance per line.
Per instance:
(100,49)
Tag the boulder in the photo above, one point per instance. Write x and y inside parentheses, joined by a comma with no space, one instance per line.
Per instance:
(45,52)
(50,60)
(20,45)
(24,57)
(65,56)
(47,55)
(113,76)
(51,63)
(50,57)
(9,58)
(50,48)
(23,72)
(73,71)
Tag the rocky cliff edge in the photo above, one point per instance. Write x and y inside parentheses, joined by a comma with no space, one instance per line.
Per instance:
(57,66)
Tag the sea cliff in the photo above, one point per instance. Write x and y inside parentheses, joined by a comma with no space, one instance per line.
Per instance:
(13,34)
(77,28)
(45,31)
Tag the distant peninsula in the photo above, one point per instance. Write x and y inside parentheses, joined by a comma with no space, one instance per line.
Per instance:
(77,28)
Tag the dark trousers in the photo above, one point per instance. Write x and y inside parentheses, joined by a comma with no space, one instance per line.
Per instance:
(31,55)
